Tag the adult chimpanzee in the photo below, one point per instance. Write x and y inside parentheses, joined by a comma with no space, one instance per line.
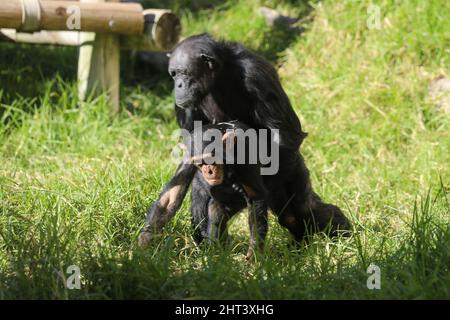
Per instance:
(218,82)
(231,185)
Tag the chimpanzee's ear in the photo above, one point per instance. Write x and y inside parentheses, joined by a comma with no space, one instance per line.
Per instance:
(210,61)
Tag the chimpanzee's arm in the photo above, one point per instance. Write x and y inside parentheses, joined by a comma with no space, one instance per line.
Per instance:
(168,203)
(256,195)
(172,197)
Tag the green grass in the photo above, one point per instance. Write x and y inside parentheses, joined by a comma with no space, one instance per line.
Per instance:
(75,182)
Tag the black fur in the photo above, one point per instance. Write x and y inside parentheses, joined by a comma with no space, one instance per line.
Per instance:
(219,81)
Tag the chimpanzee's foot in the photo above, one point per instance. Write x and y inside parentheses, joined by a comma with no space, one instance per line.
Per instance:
(144,238)
(249,254)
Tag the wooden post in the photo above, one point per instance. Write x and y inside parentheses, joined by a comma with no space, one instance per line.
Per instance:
(99,65)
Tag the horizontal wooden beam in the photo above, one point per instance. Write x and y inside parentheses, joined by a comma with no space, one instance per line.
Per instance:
(121,18)
(11,13)
(162,32)
(64,38)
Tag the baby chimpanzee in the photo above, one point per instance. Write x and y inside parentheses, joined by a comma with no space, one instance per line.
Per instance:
(229,179)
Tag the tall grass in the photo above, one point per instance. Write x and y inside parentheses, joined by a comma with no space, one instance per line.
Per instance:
(75,181)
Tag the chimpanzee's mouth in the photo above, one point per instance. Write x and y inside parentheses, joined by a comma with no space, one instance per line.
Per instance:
(184,104)
(213,174)
(214,182)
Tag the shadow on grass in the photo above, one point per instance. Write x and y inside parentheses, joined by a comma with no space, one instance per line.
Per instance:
(218,274)
(174,268)
(282,35)
(180,5)
(25,69)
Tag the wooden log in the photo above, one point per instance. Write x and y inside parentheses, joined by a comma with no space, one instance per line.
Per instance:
(122,18)
(63,38)
(162,32)
(11,14)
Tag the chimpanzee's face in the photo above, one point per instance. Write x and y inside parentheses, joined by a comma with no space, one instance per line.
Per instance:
(212,173)
(211,170)
(193,69)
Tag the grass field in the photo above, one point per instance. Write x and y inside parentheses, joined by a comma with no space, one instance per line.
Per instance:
(75,181)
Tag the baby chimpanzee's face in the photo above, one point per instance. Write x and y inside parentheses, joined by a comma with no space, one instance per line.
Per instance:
(210,164)
(212,173)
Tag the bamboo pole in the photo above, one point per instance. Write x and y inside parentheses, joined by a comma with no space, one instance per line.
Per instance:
(122,18)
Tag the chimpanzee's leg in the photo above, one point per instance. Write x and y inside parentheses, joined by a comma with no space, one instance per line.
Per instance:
(305,212)
(218,218)
(286,217)
(257,219)
(168,203)
(200,199)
